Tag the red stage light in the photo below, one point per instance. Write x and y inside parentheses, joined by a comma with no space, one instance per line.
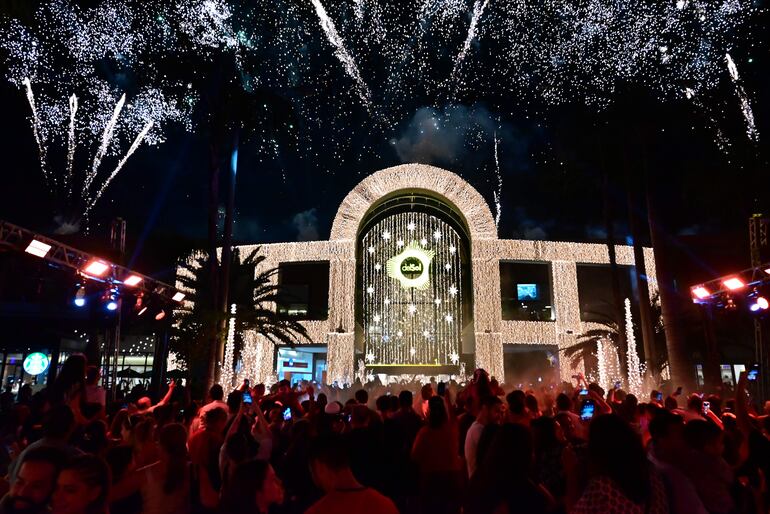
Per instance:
(132,280)
(733,283)
(38,248)
(700,292)
(96,268)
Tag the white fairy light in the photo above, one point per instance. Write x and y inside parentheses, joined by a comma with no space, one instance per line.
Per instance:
(634,367)
(423,241)
(386,235)
(437,235)
(226,372)
(412,308)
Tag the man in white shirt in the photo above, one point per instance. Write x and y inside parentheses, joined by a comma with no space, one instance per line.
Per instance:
(216,393)
(491,412)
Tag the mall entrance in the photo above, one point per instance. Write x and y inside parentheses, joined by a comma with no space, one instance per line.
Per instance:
(303,362)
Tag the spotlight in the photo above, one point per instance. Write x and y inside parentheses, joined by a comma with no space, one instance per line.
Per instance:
(733,283)
(159,316)
(80,297)
(111,299)
(38,248)
(178,297)
(700,292)
(132,280)
(760,304)
(96,268)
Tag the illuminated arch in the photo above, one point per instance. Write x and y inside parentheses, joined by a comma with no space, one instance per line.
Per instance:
(443,184)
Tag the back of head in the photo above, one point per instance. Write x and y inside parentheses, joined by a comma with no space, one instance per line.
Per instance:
(544,432)
(216,393)
(405,399)
(239,495)
(46,454)
(359,415)
(214,417)
(662,424)
(616,451)
(563,402)
(516,401)
(670,403)
(695,403)
(58,422)
(362,396)
(330,451)
(437,414)
(383,403)
(234,400)
(531,402)
(699,433)
(94,473)
(509,457)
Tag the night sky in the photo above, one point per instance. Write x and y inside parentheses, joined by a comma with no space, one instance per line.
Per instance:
(314,138)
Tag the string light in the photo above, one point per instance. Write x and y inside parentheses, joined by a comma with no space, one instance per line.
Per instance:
(634,366)
(226,377)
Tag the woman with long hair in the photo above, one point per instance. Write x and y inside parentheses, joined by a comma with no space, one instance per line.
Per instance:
(82,487)
(165,484)
(503,481)
(436,452)
(622,478)
(252,489)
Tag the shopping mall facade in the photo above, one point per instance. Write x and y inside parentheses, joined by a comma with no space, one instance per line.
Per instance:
(414,280)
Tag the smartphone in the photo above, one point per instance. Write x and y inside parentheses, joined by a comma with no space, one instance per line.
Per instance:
(678,391)
(659,397)
(287,414)
(247,397)
(706,407)
(584,392)
(617,384)
(441,388)
(587,409)
(753,372)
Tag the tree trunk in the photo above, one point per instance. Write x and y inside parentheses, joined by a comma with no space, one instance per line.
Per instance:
(645,308)
(618,304)
(671,307)
(213,260)
(227,248)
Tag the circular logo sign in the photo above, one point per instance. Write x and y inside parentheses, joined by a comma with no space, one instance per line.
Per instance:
(411,267)
(35,363)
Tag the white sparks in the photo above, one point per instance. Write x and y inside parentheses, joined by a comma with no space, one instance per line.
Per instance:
(748,113)
(134,146)
(71,142)
(498,192)
(342,53)
(106,137)
(478,10)
(36,128)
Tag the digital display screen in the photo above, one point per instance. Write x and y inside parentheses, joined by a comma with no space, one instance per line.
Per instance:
(526,292)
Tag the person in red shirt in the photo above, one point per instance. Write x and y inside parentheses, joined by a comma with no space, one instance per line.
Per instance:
(330,467)
(204,447)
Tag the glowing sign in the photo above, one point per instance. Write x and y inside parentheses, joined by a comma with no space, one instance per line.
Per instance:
(410,267)
(35,363)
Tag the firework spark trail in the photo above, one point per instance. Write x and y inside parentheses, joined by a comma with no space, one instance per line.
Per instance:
(478,10)
(748,113)
(106,137)
(498,193)
(134,146)
(36,129)
(342,53)
(71,142)
(721,140)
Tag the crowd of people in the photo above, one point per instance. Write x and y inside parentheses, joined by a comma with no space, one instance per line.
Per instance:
(411,448)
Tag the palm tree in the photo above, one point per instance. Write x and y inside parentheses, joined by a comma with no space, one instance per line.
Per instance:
(604,328)
(254,295)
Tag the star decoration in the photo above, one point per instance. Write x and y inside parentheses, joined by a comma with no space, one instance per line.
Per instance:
(426,333)
(400,334)
(454,358)
(370,290)
(423,241)
(412,308)
(376,318)
(412,351)
(370,249)
(387,301)
(453,290)
(400,243)
(386,235)
(452,249)
(437,235)
(370,357)
(447,266)
(410,227)
(437,301)
(449,318)
(378,266)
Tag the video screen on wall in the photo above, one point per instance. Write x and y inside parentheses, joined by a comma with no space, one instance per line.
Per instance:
(526,292)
